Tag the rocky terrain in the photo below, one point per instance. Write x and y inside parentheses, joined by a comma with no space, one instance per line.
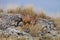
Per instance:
(10,23)
(25,24)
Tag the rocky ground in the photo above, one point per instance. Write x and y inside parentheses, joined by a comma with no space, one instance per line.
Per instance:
(12,27)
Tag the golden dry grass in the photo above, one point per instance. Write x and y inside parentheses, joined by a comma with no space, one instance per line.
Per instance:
(57,21)
(28,11)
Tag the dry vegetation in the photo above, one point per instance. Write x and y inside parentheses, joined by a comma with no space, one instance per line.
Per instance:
(27,11)
(57,21)
(32,29)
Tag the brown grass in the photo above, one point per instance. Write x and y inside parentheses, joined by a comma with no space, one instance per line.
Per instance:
(57,21)
(27,11)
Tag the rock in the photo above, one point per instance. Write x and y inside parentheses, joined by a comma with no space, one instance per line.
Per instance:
(47,27)
(8,20)
(8,24)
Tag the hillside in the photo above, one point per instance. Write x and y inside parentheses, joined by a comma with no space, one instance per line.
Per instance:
(26,24)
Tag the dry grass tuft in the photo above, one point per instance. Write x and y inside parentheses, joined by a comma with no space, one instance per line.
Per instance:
(57,21)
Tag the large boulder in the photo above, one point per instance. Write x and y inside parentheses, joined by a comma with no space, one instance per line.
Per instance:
(9,20)
(48,27)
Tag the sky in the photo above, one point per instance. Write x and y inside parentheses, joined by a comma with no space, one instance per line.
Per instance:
(51,7)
